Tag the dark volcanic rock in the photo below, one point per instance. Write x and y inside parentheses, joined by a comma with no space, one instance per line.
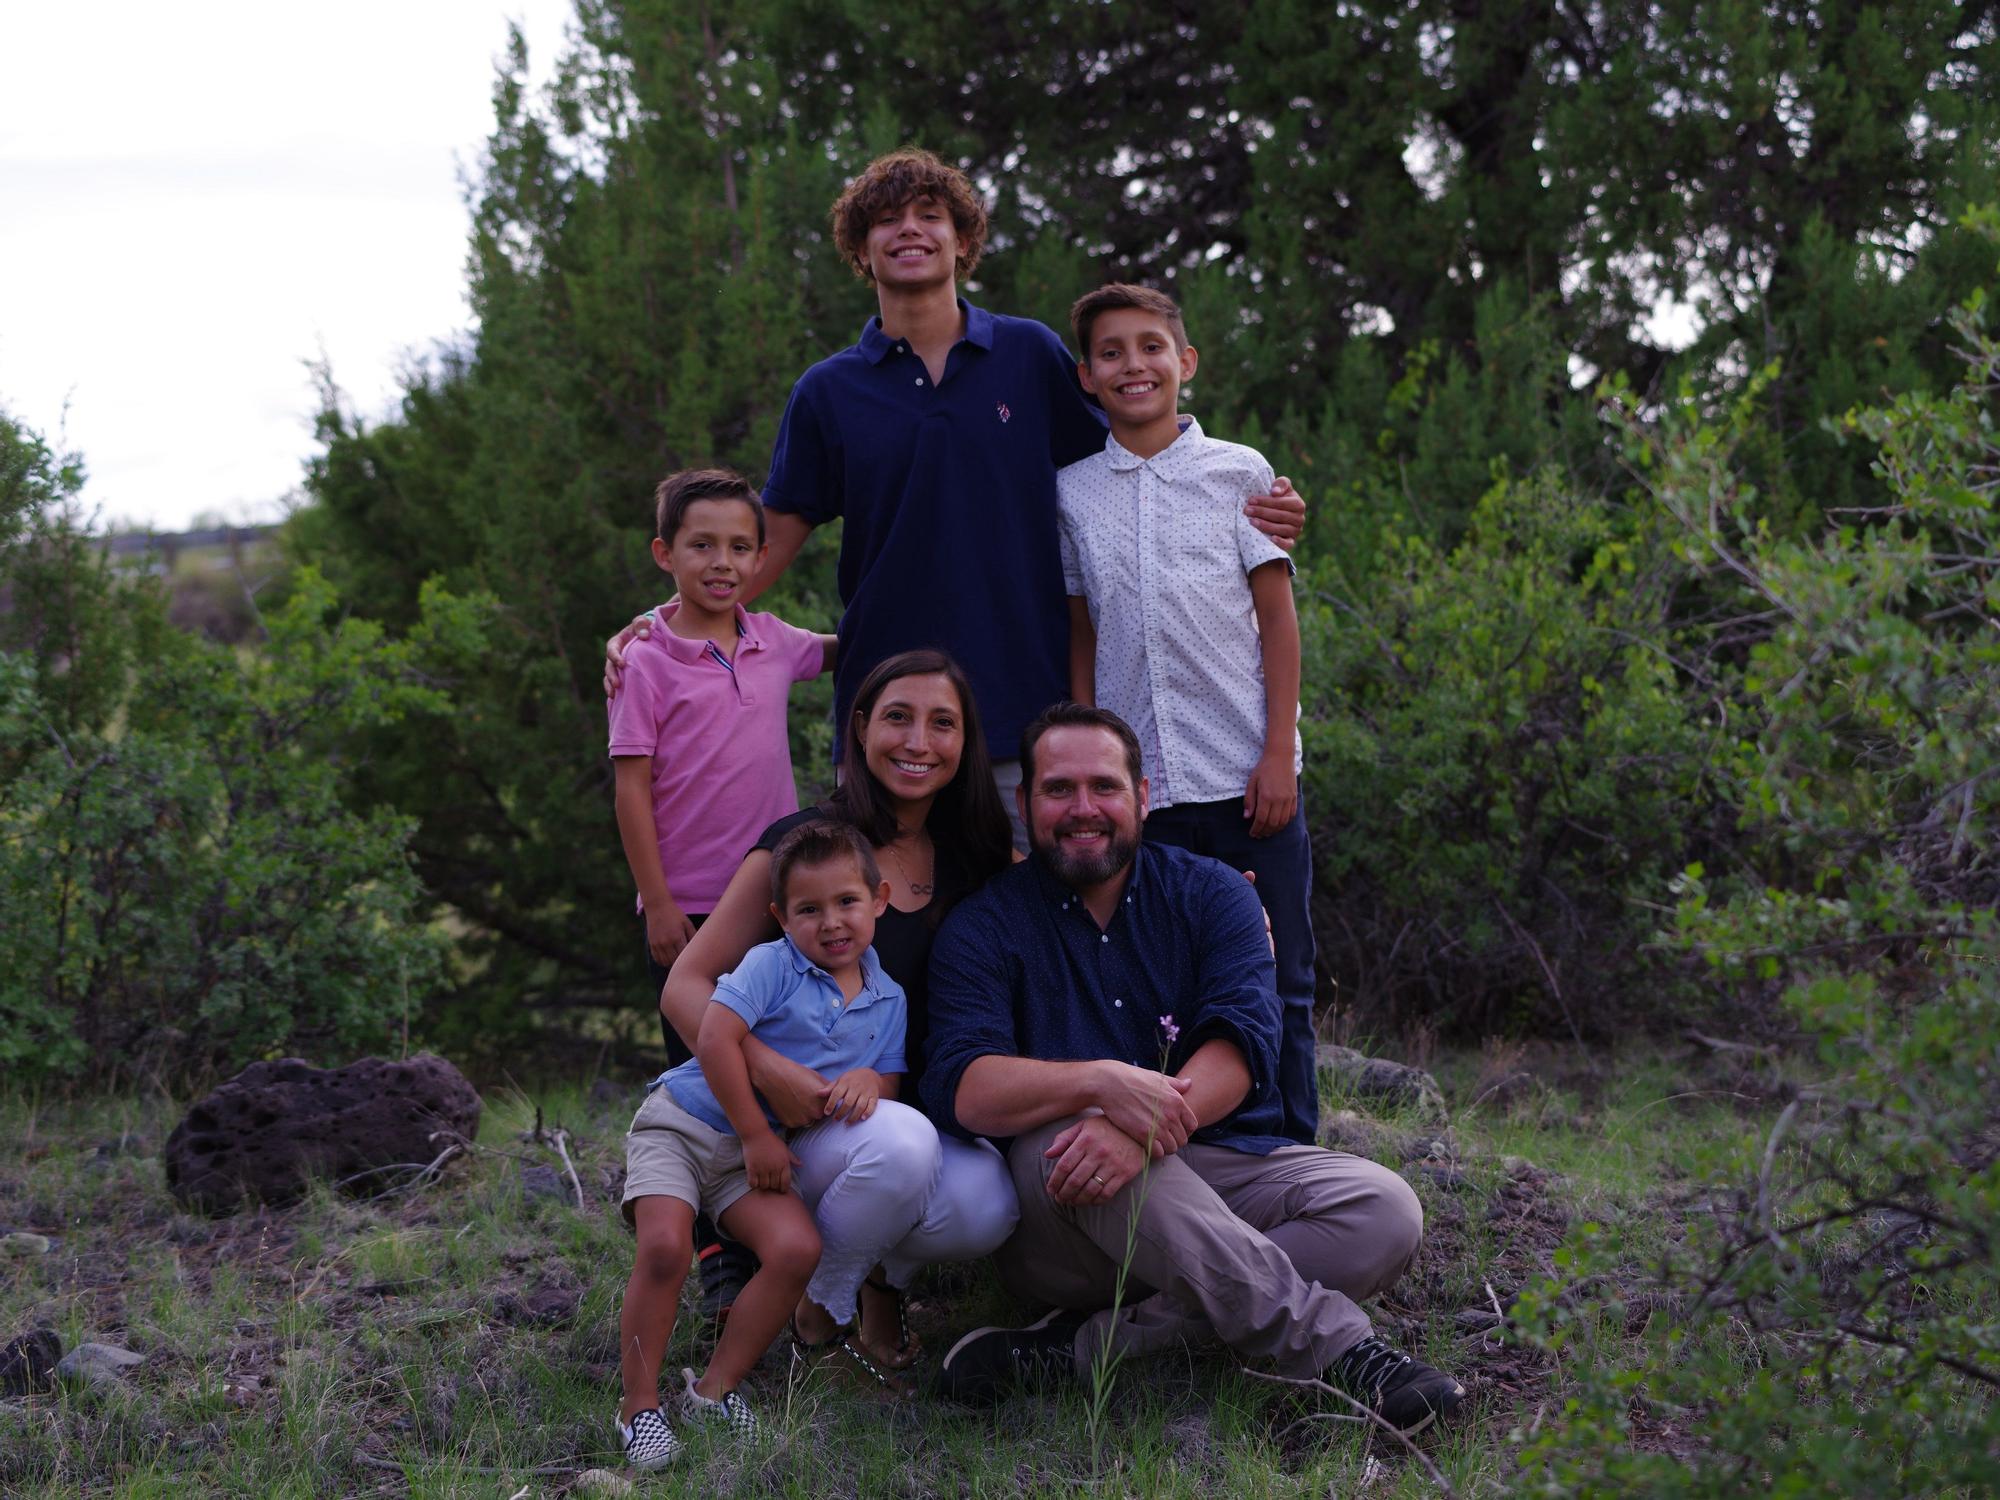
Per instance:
(29,1362)
(275,1126)
(1364,1077)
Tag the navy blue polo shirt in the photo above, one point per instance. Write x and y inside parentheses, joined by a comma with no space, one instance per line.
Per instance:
(1021,969)
(949,497)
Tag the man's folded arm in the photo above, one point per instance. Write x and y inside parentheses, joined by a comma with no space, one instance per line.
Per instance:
(972,1014)
(1218,1079)
(1006,1096)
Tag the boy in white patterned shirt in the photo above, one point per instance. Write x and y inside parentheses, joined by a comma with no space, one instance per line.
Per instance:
(1182,624)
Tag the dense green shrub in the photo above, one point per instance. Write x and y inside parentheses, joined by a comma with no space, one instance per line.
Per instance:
(1840,1275)
(188,891)
(1502,768)
(58,595)
(181,885)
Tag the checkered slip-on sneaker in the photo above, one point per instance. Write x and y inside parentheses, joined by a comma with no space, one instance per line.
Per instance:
(648,1441)
(731,1413)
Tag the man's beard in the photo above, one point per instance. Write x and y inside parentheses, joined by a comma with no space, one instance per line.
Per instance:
(1080,870)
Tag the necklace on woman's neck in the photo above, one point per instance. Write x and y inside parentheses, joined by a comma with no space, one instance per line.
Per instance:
(917,887)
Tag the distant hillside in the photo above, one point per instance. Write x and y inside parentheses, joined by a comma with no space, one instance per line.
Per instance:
(213,575)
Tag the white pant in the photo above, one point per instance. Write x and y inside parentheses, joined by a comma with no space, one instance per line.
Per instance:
(891,1190)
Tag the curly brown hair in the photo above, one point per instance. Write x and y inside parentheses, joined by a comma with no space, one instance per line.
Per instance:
(893,180)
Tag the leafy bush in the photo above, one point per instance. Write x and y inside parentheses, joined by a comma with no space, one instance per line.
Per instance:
(1501,765)
(1842,1283)
(181,886)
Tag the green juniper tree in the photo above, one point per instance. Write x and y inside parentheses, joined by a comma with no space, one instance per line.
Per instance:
(1410,240)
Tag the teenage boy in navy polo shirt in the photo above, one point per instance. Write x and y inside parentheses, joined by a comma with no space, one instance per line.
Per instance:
(937,437)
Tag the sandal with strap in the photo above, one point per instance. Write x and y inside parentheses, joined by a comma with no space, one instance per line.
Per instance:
(842,1354)
(907,1348)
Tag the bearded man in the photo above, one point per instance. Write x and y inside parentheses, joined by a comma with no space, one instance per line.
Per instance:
(1108,1012)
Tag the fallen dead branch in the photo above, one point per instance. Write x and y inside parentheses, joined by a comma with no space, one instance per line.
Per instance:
(558,1139)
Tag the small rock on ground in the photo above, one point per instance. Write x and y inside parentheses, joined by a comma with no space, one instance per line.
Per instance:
(97,1363)
(21,1242)
(601,1482)
(1378,1078)
(542,1182)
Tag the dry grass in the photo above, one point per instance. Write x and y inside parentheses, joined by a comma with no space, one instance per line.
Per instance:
(460,1339)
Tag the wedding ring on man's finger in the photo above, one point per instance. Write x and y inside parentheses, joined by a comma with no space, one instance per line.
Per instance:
(1095,1178)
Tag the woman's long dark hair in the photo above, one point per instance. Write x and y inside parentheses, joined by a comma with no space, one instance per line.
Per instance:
(967,823)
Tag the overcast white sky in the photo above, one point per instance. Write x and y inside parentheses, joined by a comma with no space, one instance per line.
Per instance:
(195,200)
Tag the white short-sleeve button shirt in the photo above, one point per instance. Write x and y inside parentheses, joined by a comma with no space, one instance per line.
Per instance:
(1161,551)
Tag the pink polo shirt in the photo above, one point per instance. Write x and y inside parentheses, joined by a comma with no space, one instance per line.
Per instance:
(715,729)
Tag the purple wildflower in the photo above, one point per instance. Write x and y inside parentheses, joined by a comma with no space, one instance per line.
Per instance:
(1172,1031)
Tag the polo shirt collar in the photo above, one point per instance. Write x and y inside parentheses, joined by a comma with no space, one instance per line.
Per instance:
(877,346)
(681,648)
(1169,462)
(978,325)
(871,970)
(1060,895)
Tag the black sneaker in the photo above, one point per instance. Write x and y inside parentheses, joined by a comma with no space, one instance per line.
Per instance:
(990,1361)
(726,1268)
(1406,1393)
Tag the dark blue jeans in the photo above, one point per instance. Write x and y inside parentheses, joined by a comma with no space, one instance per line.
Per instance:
(1282,864)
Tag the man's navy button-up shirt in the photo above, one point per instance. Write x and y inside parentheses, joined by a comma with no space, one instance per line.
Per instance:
(949,499)
(1021,969)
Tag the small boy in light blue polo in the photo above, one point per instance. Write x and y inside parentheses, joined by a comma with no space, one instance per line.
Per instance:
(704,1142)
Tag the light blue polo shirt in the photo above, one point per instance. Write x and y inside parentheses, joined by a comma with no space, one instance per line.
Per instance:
(795,1008)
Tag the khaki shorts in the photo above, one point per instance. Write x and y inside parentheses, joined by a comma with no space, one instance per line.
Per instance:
(671,1154)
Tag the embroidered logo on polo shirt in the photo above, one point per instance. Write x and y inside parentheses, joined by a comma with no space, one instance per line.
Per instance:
(1005,415)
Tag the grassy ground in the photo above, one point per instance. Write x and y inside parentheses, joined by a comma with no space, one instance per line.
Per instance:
(461,1339)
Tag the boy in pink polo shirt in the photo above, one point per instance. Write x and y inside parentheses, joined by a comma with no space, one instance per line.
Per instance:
(698,735)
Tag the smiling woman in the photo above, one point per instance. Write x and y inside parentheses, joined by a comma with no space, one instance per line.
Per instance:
(917,782)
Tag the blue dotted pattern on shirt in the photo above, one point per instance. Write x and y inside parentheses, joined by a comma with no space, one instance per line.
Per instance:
(1021,969)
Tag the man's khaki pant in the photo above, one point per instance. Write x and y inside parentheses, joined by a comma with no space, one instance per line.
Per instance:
(1266,1253)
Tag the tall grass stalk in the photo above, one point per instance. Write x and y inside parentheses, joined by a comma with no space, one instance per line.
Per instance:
(1104,1367)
